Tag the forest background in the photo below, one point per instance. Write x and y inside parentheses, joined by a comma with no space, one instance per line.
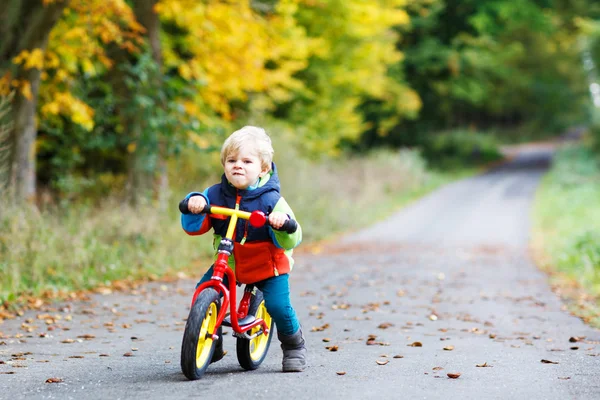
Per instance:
(112,110)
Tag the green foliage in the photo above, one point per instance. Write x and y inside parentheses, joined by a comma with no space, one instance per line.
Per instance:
(567,218)
(582,256)
(353,50)
(500,64)
(460,147)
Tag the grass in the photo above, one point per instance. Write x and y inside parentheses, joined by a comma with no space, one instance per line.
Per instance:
(57,250)
(567,228)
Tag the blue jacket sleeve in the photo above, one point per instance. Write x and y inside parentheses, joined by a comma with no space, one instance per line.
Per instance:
(193,222)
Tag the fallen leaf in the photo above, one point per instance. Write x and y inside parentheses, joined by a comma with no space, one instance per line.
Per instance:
(453,375)
(574,348)
(415,344)
(385,325)
(332,348)
(574,339)
(341,372)
(54,380)
(382,362)
(433,317)
(549,362)
(564,378)
(7,372)
(319,328)
(449,348)
(103,355)
(485,364)
(128,354)
(75,356)
(68,341)
(437,368)
(87,336)
(398,356)
(326,340)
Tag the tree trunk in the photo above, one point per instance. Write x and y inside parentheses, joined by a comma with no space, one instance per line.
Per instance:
(5,146)
(29,31)
(145,14)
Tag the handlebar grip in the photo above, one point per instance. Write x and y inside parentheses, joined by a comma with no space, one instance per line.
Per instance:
(183,206)
(290,226)
(184,209)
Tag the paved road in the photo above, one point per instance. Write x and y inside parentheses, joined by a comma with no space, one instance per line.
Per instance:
(451,272)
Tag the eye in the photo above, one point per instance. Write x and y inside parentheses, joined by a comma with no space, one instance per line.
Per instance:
(248,161)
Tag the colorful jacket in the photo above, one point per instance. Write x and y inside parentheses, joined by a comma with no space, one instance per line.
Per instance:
(259,253)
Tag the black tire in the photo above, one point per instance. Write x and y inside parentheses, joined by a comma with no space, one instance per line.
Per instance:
(197,349)
(251,353)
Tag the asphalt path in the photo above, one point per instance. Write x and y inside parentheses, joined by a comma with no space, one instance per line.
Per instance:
(446,287)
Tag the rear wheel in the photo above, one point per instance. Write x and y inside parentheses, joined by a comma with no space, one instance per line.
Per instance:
(251,353)
(198,345)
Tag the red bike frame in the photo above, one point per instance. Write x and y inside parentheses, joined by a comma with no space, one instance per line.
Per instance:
(221,268)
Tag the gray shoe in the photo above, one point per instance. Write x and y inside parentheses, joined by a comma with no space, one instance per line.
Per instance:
(294,352)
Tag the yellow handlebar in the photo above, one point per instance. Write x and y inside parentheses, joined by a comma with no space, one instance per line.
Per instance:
(234,214)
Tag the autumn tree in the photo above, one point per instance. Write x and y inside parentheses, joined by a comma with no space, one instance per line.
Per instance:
(25,26)
(353,53)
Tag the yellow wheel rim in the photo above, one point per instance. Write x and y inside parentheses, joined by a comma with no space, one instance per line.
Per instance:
(258,345)
(204,340)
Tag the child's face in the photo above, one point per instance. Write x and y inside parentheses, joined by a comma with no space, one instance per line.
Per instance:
(243,169)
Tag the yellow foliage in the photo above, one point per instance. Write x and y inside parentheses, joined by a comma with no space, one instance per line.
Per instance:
(66,104)
(355,44)
(30,59)
(25,89)
(231,45)
(200,141)
(5,84)
(77,43)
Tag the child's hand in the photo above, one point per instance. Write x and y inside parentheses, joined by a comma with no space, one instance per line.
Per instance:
(196,204)
(277,219)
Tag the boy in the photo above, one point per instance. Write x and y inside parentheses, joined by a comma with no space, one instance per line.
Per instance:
(262,256)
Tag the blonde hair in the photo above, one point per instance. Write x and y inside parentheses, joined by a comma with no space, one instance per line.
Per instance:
(252,136)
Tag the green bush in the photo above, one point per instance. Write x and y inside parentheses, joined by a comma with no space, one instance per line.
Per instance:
(460,147)
(582,254)
(567,215)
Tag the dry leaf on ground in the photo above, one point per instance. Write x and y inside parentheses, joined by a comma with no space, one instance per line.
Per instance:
(548,362)
(485,364)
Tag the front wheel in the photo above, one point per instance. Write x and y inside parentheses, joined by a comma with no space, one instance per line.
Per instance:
(198,345)
(251,353)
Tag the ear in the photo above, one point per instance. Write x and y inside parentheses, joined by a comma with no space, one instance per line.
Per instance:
(264,171)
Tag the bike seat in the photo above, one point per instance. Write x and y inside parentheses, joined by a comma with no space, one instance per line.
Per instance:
(241,322)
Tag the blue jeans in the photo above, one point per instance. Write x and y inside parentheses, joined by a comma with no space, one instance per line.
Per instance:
(276,292)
